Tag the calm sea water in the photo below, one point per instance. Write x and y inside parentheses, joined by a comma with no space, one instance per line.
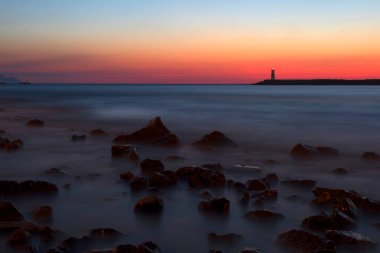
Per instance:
(266,121)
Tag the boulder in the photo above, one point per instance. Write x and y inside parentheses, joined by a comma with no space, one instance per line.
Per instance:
(270,179)
(300,183)
(215,139)
(159,180)
(19,238)
(230,238)
(105,234)
(149,166)
(148,247)
(149,204)
(126,176)
(27,187)
(9,213)
(350,239)
(256,185)
(263,216)
(320,223)
(304,242)
(99,133)
(78,137)
(310,152)
(216,205)
(371,156)
(125,151)
(73,244)
(342,219)
(35,123)
(138,183)
(127,248)
(43,213)
(10,145)
(244,198)
(270,194)
(155,133)
(46,233)
(184,172)
(205,178)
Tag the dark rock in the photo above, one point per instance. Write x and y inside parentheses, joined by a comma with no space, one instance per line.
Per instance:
(58,250)
(148,247)
(126,176)
(347,207)
(263,216)
(128,248)
(54,172)
(46,233)
(10,145)
(258,203)
(351,239)
(149,204)
(215,251)
(340,171)
(239,187)
(342,219)
(230,238)
(205,178)
(206,195)
(370,156)
(175,158)
(244,198)
(77,137)
(171,175)
(270,194)
(154,133)
(27,187)
(320,223)
(215,139)
(43,213)
(35,123)
(217,166)
(159,180)
(217,205)
(125,151)
(310,152)
(99,133)
(270,179)
(300,183)
(304,242)
(271,162)
(9,213)
(249,250)
(73,244)
(149,166)
(256,185)
(105,233)
(184,172)
(138,183)
(19,238)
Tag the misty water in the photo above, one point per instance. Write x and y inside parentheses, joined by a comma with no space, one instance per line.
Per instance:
(266,122)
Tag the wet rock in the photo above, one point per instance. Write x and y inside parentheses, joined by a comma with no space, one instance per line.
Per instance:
(215,139)
(320,223)
(270,179)
(54,172)
(27,187)
(340,171)
(206,195)
(249,250)
(347,207)
(75,244)
(9,213)
(270,194)
(371,156)
(126,176)
(342,219)
(149,166)
(154,133)
(10,145)
(239,187)
(244,198)
(351,239)
(310,152)
(103,251)
(46,233)
(43,213)
(271,162)
(99,133)
(258,203)
(300,183)
(216,167)
(128,248)
(304,242)
(171,175)
(256,185)
(18,238)
(217,205)
(175,158)
(148,247)
(184,172)
(58,250)
(159,180)
(125,151)
(77,137)
(263,216)
(230,238)
(138,183)
(204,178)
(105,233)
(149,204)
(35,123)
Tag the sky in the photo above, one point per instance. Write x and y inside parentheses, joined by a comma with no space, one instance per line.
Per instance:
(188,41)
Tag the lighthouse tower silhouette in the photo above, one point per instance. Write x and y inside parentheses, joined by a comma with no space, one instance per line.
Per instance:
(273,74)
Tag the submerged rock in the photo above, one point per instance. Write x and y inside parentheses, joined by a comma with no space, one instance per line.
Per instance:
(215,139)
(310,152)
(19,238)
(148,247)
(320,223)
(205,178)
(149,204)
(138,183)
(263,216)
(9,213)
(149,166)
(371,156)
(160,180)
(304,242)
(270,179)
(126,176)
(54,172)
(35,123)
(10,145)
(125,151)
(154,133)
(43,213)
(230,238)
(256,185)
(27,187)
(217,205)
(99,133)
(351,239)
(73,244)
(105,233)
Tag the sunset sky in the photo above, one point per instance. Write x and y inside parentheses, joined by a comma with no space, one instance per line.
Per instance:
(189,41)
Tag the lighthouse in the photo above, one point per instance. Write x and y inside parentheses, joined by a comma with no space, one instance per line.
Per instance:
(273,74)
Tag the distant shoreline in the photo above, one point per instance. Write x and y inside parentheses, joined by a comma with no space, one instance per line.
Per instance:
(307,82)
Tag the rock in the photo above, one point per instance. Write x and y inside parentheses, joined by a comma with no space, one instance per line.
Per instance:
(73,244)
(216,205)
(125,151)
(263,216)
(46,233)
(270,162)
(216,167)
(239,187)
(300,183)
(99,133)
(304,242)
(244,198)
(320,223)
(126,176)
(370,156)
(154,133)
(9,213)
(105,233)
(270,179)
(149,166)
(10,145)
(310,152)
(342,219)
(54,172)
(159,180)
(249,250)
(351,239)
(215,139)
(230,238)
(270,194)
(340,171)
(103,251)
(77,137)
(149,204)
(138,183)
(128,248)
(171,175)
(256,185)
(184,172)
(27,187)
(19,238)
(35,123)
(43,213)
(347,207)
(205,178)
(175,158)
(215,251)
(58,250)
(148,247)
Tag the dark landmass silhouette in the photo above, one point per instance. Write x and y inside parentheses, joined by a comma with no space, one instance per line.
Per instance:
(319,82)
(9,80)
